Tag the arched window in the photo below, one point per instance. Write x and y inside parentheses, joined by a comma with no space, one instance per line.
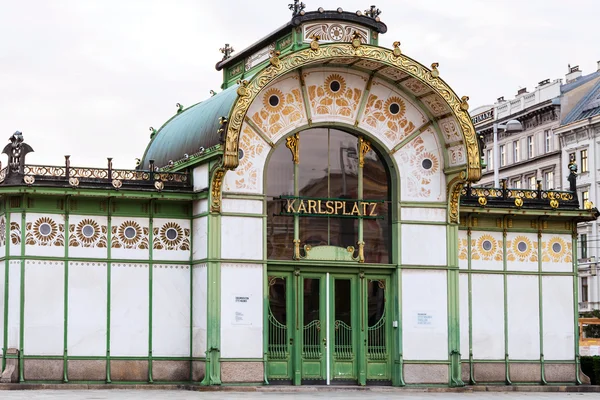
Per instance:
(327,172)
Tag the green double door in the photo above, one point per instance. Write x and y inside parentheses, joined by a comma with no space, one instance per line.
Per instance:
(328,328)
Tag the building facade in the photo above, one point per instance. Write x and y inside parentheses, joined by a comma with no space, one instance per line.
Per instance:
(275,233)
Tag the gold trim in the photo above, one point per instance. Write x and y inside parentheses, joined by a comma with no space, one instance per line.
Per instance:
(455,188)
(248,91)
(215,189)
(293,143)
(363,148)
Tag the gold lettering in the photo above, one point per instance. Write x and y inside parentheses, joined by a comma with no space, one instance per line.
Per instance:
(330,209)
(312,205)
(364,208)
(320,211)
(346,213)
(372,213)
(355,210)
(339,205)
(301,207)
(290,206)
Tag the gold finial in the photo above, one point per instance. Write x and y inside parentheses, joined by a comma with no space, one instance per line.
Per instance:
(463,103)
(397,51)
(274,60)
(519,202)
(314,45)
(242,91)
(482,201)
(588,205)
(356,40)
(293,143)
(434,71)
(554,203)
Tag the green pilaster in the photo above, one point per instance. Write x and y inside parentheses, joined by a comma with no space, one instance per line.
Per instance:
(108,285)
(576,303)
(22,296)
(191,295)
(505,278)
(470,284)
(213,342)
(453,307)
(66,290)
(150,286)
(7,241)
(541,309)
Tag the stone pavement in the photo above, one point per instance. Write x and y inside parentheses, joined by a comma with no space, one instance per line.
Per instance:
(129,394)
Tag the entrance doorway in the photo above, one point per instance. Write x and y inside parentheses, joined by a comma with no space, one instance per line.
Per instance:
(326,328)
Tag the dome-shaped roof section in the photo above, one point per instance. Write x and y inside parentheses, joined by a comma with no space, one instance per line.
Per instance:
(189,130)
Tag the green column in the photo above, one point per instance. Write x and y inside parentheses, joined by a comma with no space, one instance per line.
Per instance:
(150,286)
(66,291)
(453,307)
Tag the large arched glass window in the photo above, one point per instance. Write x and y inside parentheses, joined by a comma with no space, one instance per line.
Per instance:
(328,170)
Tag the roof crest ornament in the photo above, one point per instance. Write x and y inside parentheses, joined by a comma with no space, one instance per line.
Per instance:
(227,50)
(373,12)
(16,151)
(297,8)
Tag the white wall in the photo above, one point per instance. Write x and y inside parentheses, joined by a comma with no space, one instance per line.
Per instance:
(199,310)
(488,316)
(558,318)
(417,238)
(523,317)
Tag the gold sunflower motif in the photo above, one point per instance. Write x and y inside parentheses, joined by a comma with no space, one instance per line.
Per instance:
(394,108)
(335,85)
(522,247)
(487,246)
(87,231)
(556,248)
(273,100)
(129,233)
(45,230)
(171,234)
(428,163)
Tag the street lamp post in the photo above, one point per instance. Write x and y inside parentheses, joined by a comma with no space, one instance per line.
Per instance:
(510,126)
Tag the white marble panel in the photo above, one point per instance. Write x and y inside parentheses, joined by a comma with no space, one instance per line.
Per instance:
(167,248)
(87,309)
(558,318)
(15,234)
(44,308)
(129,308)
(487,251)
(521,251)
(424,315)
(171,310)
(200,238)
(416,237)
(241,311)
(14,303)
(134,247)
(523,317)
(487,303)
(199,310)
(463,303)
(557,253)
(200,176)
(242,206)
(3,241)
(463,250)
(200,206)
(424,214)
(38,242)
(84,244)
(241,238)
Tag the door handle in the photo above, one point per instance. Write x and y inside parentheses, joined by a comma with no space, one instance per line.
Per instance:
(325,341)
(291,341)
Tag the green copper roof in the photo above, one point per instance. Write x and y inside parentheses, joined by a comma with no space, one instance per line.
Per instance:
(189,130)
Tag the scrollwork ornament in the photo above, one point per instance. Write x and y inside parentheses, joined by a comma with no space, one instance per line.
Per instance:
(248,91)
(159,185)
(29,180)
(74,181)
(554,203)
(293,143)
(215,190)
(519,202)
(117,184)
(455,187)
(363,148)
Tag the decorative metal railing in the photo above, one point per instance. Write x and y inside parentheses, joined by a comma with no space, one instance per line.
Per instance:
(519,198)
(343,341)
(311,347)
(277,348)
(376,341)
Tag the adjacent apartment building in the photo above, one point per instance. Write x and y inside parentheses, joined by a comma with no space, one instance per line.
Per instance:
(561,122)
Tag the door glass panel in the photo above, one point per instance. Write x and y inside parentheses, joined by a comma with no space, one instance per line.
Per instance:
(277,318)
(376,340)
(343,319)
(312,323)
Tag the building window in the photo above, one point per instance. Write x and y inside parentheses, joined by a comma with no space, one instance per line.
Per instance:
(516,184)
(529,146)
(584,290)
(490,160)
(583,241)
(532,183)
(584,160)
(516,151)
(549,180)
(502,155)
(585,197)
(547,141)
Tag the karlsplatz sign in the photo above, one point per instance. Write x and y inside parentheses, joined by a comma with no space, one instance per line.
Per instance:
(337,208)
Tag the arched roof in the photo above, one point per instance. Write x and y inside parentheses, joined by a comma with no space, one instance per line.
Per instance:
(190,129)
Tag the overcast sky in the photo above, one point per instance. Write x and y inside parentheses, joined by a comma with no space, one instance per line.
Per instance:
(88,77)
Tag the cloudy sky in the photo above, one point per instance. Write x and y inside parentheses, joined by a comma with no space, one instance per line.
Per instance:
(89,77)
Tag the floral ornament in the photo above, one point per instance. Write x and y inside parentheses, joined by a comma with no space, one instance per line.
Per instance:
(334,97)
(279,111)
(253,148)
(130,235)
(486,248)
(521,248)
(45,232)
(557,250)
(15,233)
(171,236)
(424,165)
(463,249)
(388,116)
(2,231)
(87,233)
